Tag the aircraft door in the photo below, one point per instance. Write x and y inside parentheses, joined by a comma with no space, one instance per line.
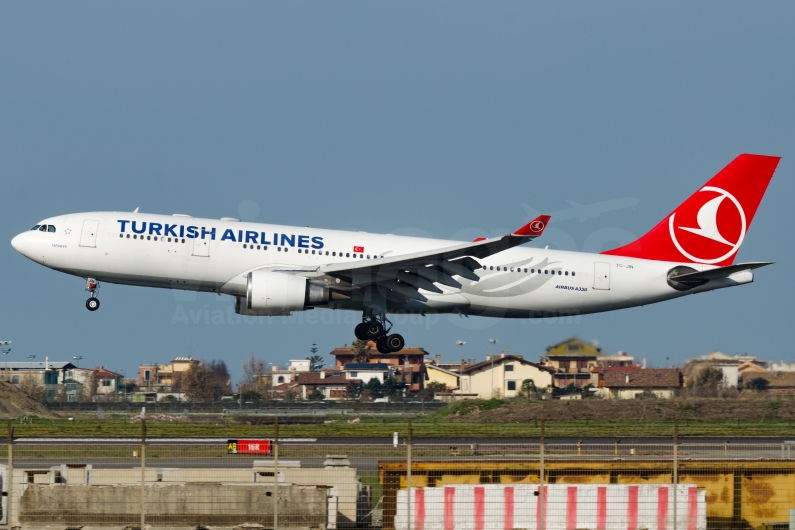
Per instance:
(201,247)
(601,276)
(88,237)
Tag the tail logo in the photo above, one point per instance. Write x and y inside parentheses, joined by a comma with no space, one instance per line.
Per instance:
(707,221)
(537,226)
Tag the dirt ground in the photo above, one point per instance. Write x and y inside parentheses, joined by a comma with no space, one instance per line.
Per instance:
(14,403)
(683,408)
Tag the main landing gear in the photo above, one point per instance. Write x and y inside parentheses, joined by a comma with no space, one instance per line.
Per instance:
(376,327)
(92,285)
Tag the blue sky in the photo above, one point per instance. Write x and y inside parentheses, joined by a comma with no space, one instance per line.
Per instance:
(446,119)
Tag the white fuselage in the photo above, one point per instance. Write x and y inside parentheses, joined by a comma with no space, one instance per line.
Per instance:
(180,252)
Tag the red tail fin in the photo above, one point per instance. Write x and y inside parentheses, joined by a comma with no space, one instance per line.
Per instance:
(710,226)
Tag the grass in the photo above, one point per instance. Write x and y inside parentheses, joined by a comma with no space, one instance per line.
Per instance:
(435,426)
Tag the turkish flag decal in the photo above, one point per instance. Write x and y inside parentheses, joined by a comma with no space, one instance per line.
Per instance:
(358,249)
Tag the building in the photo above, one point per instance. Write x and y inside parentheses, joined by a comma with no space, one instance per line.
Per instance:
(444,376)
(620,383)
(365,372)
(331,383)
(621,359)
(777,382)
(288,375)
(408,363)
(572,360)
(502,376)
(164,377)
(108,382)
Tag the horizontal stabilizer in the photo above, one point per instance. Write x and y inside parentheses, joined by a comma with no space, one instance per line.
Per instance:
(716,274)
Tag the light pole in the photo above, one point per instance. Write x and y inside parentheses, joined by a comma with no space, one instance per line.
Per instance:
(5,352)
(78,357)
(492,342)
(461,370)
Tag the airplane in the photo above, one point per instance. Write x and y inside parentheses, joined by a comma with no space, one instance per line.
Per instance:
(273,270)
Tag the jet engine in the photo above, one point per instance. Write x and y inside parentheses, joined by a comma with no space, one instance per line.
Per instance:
(278,293)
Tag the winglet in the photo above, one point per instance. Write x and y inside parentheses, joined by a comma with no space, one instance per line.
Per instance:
(534,228)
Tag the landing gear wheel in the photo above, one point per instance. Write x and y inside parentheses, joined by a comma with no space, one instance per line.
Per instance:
(381,345)
(373,329)
(395,343)
(359,331)
(92,304)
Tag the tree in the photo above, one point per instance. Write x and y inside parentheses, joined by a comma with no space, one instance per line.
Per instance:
(760,384)
(221,374)
(90,386)
(706,382)
(200,384)
(316,395)
(254,379)
(433,388)
(391,387)
(374,388)
(354,389)
(361,351)
(316,362)
(31,385)
(529,390)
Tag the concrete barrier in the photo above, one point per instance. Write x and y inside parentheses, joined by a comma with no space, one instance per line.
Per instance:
(569,507)
(190,504)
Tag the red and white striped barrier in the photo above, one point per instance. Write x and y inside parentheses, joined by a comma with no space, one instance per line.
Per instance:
(566,507)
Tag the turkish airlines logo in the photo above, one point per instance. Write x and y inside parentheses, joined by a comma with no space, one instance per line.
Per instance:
(537,226)
(707,227)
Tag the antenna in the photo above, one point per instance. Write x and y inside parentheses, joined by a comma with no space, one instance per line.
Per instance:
(136,210)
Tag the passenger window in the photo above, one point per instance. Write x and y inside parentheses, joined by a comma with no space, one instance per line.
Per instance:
(148,238)
(128,236)
(532,271)
(183,240)
(280,249)
(121,235)
(560,273)
(491,268)
(546,271)
(333,253)
(155,238)
(327,253)
(572,273)
(511,269)
(525,270)
(244,245)
(257,247)
(347,254)
(50,228)
(135,237)
(567,273)
(35,228)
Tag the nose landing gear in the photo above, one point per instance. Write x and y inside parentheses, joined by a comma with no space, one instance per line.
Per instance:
(376,327)
(92,285)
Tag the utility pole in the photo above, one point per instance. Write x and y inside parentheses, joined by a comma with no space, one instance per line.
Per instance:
(5,351)
(492,342)
(461,370)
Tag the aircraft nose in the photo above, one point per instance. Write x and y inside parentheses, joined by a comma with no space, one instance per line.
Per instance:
(19,243)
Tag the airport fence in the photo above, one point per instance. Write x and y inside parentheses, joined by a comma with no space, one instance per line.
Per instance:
(401,483)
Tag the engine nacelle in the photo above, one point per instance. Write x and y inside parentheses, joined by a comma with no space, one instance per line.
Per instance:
(277,293)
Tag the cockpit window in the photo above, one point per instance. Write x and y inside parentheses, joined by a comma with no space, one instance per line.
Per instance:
(50,228)
(43,228)
(35,227)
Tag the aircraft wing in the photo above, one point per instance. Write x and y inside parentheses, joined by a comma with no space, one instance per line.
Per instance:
(405,274)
